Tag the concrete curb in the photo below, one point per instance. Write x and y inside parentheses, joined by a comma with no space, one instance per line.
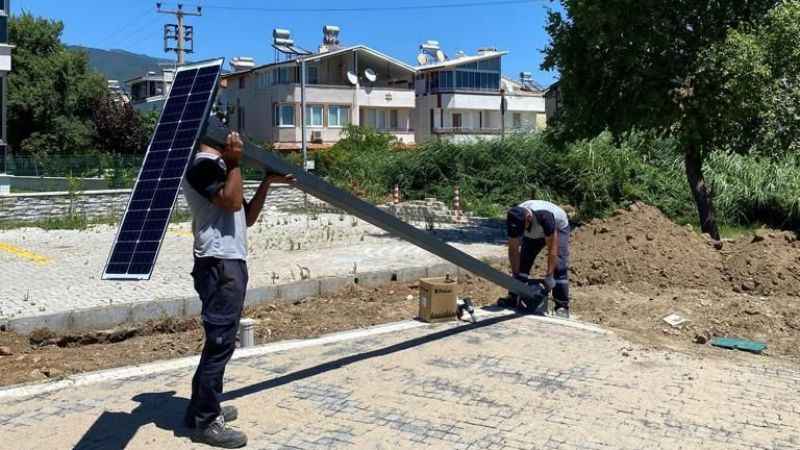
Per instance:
(105,317)
(40,388)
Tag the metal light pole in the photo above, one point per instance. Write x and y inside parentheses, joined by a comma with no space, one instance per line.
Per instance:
(303,112)
(502,113)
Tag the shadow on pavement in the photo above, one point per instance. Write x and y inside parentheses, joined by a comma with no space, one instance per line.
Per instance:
(352,359)
(115,430)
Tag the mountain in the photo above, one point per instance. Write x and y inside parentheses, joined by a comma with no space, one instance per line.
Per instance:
(121,65)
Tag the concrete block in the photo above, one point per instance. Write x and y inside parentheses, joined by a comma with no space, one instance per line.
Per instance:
(334,285)
(298,290)
(101,318)
(261,295)
(57,322)
(412,274)
(157,310)
(373,279)
(192,306)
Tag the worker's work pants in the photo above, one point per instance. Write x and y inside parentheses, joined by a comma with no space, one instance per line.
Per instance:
(531,249)
(221,285)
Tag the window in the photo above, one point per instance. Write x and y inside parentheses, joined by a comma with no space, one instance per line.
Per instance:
(457,120)
(284,115)
(376,118)
(241,82)
(281,75)
(517,120)
(338,116)
(312,75)
(314,115)
(394,120)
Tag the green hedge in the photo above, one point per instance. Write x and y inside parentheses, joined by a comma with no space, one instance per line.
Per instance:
(596,176)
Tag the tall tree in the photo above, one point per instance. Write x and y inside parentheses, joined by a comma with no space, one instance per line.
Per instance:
(634,64)
(52,91)
(120,128)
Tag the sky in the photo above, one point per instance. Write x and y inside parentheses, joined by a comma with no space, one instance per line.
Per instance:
(233,28)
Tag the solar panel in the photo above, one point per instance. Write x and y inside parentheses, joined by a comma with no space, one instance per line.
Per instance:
(182,120)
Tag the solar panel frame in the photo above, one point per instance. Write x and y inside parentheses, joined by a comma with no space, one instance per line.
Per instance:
(142,252)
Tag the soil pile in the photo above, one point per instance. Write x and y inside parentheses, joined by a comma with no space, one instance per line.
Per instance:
(640,246)
(642,249)
(766,263)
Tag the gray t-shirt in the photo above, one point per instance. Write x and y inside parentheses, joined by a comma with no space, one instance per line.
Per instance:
(217,232)
(548,218)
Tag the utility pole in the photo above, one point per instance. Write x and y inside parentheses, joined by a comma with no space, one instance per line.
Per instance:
(179,32)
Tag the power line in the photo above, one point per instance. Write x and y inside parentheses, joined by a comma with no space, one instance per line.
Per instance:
(376,8)
(116,33)
(143,29)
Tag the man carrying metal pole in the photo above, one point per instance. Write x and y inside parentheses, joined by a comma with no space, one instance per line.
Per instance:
(213,189)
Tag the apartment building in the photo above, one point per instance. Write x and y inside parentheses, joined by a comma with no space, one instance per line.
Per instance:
(467,97)
(344,85)
(148,92)
(462,98)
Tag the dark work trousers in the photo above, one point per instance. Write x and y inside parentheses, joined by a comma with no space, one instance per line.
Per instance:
(531,249)
(221,285)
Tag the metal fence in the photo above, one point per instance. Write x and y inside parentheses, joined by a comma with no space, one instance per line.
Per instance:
(119,170)
(91,165)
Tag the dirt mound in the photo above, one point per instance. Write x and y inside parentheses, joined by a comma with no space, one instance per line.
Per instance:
(765,263)
(641,246)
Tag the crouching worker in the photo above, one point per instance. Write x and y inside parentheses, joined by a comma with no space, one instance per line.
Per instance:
(533,226)
(221,215)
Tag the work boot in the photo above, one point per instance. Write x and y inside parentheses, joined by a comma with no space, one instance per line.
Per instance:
(229,413)
(218,434)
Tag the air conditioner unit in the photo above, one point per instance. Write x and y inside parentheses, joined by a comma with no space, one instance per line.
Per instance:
(316,137)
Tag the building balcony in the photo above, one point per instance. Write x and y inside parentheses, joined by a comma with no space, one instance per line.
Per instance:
(379,97)
(385,97)
(464,131)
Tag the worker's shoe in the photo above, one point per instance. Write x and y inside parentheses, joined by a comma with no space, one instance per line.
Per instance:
(218,434)
(507,302)
(562,313)
(229,413)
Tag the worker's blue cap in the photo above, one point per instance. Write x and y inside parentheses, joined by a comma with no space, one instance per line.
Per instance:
(515,221)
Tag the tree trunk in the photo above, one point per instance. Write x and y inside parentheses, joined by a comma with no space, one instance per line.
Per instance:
(702,198)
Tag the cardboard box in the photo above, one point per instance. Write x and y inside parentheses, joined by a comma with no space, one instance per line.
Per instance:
(437,299)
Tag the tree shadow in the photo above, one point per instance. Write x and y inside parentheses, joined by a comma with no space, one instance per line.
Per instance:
(115,430)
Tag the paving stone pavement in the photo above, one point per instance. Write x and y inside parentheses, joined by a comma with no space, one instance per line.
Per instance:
(508,383)
(43,272)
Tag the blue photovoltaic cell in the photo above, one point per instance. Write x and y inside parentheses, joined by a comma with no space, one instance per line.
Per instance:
(145,221)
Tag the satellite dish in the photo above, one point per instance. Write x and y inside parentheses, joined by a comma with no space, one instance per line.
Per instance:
(370,74)
(422,59)
(352,78)
(440,56)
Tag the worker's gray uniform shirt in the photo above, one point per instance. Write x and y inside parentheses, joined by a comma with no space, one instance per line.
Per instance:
(217,233)
(537,230)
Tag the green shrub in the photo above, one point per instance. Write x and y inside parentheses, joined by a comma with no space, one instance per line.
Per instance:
(750,189)
(596,175)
